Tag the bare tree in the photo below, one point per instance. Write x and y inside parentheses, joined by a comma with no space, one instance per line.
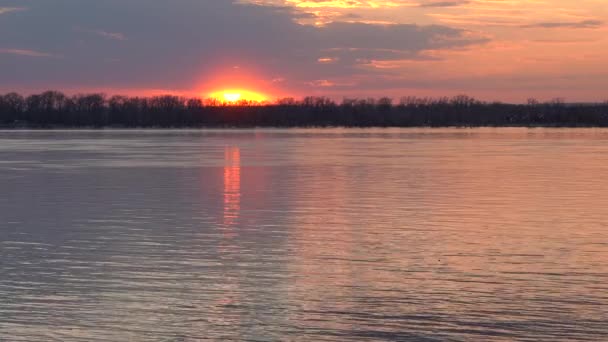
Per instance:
(533,102)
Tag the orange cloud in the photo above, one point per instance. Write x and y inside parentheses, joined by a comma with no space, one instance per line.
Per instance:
(345,3)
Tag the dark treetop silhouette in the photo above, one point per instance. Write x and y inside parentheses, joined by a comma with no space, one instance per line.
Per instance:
(54,109)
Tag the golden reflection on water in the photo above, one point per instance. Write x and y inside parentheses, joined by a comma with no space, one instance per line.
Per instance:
(228,246)
(232,186)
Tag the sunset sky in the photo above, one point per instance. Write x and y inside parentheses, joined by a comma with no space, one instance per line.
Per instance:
(505,50)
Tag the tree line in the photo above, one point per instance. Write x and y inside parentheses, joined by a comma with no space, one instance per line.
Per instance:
(53,109)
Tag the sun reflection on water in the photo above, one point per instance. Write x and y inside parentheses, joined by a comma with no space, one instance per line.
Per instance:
(232,186)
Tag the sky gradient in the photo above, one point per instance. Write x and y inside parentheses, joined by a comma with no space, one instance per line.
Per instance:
(505,50)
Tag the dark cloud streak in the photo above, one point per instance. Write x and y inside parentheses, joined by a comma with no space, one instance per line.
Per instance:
(578,24)
(444,3)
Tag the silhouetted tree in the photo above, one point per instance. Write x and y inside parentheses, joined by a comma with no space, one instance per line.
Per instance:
(13,106)
(533,102)
(55,109)
(287,101)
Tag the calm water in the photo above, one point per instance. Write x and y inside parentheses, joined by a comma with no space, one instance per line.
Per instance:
(304,235)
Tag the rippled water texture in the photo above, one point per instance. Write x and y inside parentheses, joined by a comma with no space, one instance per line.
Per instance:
(304,235)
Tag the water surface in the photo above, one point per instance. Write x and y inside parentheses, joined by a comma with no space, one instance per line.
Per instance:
(304,235)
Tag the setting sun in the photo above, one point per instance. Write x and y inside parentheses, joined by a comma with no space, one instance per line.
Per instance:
(234,96)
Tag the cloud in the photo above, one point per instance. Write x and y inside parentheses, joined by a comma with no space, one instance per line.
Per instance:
(344,3)
(198,40)
(402,37)
(111,35)
(444,3)
(322,83)
(4,10)
(26,53)
(578,24)
(104,34)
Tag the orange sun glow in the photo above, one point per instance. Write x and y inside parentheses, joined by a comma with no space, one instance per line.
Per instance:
(232,97)
(235,96)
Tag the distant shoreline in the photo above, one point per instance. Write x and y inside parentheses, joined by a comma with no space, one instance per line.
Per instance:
(55,110)
(220,128)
